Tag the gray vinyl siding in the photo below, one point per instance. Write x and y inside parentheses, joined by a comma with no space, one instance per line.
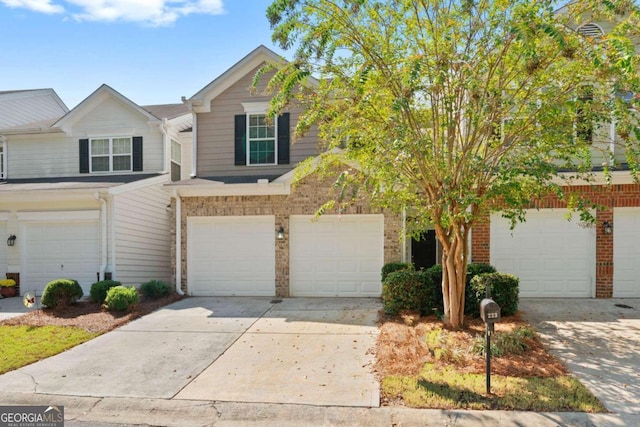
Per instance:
(215,135)
(142,236)
(56,154)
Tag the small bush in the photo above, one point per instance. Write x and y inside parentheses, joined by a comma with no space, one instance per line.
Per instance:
(504,291)
(390,267)
(155,289)
(61,292)
(121,298)
(410,290)
(504,343)
(472,303)
(99,290)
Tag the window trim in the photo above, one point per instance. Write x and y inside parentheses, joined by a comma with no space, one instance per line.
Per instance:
(257,109)
(111,155)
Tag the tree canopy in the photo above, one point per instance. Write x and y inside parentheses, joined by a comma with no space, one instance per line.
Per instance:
(454,109)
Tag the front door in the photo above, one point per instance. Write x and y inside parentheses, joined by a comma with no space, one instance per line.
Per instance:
(424,252)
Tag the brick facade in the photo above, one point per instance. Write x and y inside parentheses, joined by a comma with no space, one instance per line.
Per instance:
(305,199)
(606,199)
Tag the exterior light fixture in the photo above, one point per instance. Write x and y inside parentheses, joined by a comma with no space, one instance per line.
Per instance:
(607,228)
(11,241)
(280,235)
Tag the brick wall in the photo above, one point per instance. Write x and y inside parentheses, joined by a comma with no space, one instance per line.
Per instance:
(605,199)
(305,199)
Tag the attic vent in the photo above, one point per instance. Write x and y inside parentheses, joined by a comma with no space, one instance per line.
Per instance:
(591,30)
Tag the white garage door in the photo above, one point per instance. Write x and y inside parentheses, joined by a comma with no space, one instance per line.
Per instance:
(626,252)
(552,256)
(231,256)
(60,249)
(336,255)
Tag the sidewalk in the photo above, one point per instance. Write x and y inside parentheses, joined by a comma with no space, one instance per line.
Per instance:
(105,412)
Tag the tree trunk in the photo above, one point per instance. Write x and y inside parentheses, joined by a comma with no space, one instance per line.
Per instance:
(454,274)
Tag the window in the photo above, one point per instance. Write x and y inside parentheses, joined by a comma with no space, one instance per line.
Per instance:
(261,143)
(176,160)
(3,167)
(584,117)
(111,154)
(258,140)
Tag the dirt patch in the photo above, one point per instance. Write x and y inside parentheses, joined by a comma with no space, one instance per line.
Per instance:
(402,349)
(88,315)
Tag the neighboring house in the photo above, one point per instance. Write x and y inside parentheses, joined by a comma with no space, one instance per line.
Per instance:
(240,226)
(554,257)
(82,189)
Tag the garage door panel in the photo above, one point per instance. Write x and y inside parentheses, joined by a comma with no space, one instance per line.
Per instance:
(552,257)
(336,256)
(626,252)
(231,256)
(60,249)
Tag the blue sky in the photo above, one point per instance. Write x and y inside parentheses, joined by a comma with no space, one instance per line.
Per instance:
(151,51)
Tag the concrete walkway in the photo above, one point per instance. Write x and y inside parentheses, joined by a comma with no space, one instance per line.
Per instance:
(599,340)
(302,362)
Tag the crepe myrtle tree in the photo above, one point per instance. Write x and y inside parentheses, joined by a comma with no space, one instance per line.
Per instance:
(456,109)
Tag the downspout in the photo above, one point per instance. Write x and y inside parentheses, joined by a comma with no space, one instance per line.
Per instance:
(167,146)
(194,145)
(404,234)
(178,243)
(103,235)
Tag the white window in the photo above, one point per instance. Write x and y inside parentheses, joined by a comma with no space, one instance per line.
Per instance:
(3,158)
(176,152)
(111,154)
(261,141)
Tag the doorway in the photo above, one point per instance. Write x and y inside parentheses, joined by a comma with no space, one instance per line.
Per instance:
(424,250)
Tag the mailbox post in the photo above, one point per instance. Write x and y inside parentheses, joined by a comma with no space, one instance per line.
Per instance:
(490,313)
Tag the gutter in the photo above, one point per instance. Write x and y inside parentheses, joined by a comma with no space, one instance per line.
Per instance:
(103,235)
(178,283)
(167,145)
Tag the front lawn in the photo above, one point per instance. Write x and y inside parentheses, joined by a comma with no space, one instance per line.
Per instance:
(422,364)
(23,345)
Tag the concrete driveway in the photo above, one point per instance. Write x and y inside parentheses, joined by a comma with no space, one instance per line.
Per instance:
(599,340)
(305,351)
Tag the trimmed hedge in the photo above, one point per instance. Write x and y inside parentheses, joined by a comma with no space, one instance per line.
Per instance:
(61,292)
(155,289)
(390,267)
(410,290)
(505,289)
(99,290)
(403,288)
(121,298)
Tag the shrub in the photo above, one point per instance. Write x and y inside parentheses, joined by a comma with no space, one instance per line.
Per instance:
(390,267)
(471,298)
(99,290)
(155,289)
(504,343)
(121,298)
(410,290)
(61,292)
(504,291)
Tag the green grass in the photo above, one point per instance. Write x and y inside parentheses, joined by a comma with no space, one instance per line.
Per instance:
(23,345)
(448,389)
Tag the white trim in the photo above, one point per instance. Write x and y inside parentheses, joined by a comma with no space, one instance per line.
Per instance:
(597,178)
(46,216)
(220,189)
(136,185)
(255,107)
(4,216)
(249,139)
(3,158)
(111,155)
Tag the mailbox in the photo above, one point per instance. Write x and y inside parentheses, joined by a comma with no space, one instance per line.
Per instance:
(489,311)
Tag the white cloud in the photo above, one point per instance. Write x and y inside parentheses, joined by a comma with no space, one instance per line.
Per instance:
(153,12)
(43,6)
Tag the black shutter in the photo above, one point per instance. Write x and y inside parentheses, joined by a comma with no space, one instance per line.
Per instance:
(240,139)
(283,139)
(84,156)
(137,154)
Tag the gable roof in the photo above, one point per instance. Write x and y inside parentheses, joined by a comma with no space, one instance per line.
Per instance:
(92,101)
(201,101)
(29,108)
